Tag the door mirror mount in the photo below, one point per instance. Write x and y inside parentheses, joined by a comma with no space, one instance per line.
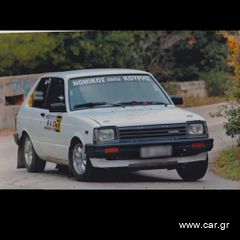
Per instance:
(177,100)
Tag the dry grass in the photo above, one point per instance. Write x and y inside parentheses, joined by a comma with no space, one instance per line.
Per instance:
(227,163)
(194,102)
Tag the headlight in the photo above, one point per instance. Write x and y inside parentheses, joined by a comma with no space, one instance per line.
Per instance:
(104,134)
(195,128)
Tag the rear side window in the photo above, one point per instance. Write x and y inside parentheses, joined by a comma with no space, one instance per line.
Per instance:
(38,97)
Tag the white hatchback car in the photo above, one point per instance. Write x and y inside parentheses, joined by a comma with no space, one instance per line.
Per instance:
(109,118)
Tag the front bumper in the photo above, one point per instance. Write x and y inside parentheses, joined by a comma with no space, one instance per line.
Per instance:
(144,164)
(129,153)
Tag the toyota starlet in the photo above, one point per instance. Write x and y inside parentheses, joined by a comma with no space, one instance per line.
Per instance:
(109,119)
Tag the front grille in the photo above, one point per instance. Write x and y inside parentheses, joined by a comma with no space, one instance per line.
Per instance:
(152,131)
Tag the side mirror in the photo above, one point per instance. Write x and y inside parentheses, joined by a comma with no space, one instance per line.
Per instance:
(57,107)
(177,100)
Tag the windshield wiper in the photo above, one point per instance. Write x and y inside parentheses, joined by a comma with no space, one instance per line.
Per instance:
(94,104)
(157,103)
(119,104)
(143,103)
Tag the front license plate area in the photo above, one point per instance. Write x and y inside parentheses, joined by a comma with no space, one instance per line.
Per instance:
(156,151)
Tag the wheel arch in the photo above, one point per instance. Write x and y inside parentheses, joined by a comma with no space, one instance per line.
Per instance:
(88,171)
(74,139)
(24,132)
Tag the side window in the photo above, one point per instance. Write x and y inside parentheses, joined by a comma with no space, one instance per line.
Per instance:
(56,92)
(39,95)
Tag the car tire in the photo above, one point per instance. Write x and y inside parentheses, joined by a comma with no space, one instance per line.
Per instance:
(193,171)
(80,166)
(30,159)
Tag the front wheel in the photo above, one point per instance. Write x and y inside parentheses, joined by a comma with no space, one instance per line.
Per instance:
(80,165)
(193,171)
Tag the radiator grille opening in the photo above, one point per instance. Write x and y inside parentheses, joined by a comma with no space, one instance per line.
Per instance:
(152,131)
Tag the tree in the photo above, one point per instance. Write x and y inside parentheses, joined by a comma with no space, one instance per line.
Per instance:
(201,51)
(23,52)
(157,55)
(234,61)
(95,49)
(169,55)
(183,55)
(232,111)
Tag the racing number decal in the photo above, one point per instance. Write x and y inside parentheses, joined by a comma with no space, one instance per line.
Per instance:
(53,123)
(58,123)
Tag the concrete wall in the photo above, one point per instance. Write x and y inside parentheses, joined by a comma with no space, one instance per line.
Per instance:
(7,119)
(12,86)
(187,89)
(192,89)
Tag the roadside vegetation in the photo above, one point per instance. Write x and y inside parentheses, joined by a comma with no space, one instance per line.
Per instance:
(195,102)
(171,56)
(227,163)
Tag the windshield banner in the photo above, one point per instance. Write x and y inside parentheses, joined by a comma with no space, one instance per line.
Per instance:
(107,79)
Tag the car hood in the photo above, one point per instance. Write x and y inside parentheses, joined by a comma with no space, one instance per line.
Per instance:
(137,115)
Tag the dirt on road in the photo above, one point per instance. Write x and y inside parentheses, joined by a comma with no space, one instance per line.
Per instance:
(6,132)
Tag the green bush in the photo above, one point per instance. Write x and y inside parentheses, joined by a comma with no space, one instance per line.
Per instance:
(231,112)
(216,82)
(232,125)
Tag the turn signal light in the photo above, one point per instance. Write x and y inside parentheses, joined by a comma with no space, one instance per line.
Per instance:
(198,145)
(111,150)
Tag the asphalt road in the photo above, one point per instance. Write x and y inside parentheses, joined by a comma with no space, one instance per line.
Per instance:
(51,178)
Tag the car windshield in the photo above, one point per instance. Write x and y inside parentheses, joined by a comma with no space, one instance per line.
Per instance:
(117,90)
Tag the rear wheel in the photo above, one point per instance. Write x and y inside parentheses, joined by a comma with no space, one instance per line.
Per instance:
(80,165)
(193,171)
(31,161)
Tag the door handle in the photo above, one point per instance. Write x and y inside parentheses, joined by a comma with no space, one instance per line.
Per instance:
(42,114)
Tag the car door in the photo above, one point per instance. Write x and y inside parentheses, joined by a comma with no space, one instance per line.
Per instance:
(32,114)
(52,136)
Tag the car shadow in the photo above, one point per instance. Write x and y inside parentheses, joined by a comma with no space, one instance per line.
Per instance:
(110,176)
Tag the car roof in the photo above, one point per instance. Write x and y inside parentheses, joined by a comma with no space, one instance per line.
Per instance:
(94,72)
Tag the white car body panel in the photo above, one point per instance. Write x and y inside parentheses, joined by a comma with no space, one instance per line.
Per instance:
(138,115)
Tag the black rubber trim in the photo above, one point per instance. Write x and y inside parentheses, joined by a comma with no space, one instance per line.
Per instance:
(16,138)
(131,150)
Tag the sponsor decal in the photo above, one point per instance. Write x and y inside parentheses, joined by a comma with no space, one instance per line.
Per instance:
(53,123)
(143,78)
(88,81)
(108,79)
(58,123)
